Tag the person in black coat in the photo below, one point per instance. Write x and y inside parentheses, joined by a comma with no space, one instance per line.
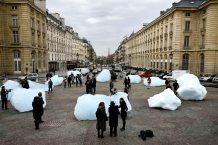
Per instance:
(93,84)
(38,109)
(50,84)
(101,119)
(113,118)
(123,113)
(88,85)
(126,82)
(69,79)
(4,98)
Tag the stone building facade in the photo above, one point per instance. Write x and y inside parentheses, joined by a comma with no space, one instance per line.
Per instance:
(23,47)
(66,49)
(183,37)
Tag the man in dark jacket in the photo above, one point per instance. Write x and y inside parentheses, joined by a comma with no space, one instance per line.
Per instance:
(50,84)
(38,109)
(93,84)
(123,113)
(69,79)
(113,118)
(4,98)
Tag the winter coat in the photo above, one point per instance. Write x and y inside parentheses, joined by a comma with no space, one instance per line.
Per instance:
(3,94)
(37,107)
(101,119)
(93,82)
(50,83)
(124,109)
(113,115)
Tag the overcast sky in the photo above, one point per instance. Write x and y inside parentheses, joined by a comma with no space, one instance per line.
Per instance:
(106,22)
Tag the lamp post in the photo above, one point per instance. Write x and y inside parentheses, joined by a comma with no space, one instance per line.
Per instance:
(32,54)
(171,57)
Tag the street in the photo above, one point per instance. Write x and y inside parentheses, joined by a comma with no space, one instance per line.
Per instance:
(194,123)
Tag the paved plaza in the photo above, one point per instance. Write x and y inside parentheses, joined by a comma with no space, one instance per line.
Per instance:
(194,123)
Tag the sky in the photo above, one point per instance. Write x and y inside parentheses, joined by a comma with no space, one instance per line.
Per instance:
(105,23)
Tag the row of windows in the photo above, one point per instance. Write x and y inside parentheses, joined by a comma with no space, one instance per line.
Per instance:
(17,60)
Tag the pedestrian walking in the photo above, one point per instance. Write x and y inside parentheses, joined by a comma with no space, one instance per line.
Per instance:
(38,110)
(65,81)
(88,85)
(50,85)
(113,118)
(77,80)
(149,82)
(72,78)
(123,113)
(127,92)
(101,120)
(80,79)
(69,79)
(111,86)
(175,87)
(4,98)
(93,84)
(126,82)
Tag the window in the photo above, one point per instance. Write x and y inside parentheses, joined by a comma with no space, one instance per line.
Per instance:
(14,21)
(185,61)
(16,54)
(17,61)
(202,63)
(204,23)
(187,14)
(186,42)
(15,37)
(14,7)
(187,26)
(32,23)
(38,26)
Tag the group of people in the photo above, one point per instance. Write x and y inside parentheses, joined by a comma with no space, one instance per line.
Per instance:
(71,79)
(113,117)
(90,84)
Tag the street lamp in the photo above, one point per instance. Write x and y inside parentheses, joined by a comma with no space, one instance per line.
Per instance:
(32,54)
(171,57)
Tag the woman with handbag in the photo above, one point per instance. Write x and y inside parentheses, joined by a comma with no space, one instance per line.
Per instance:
(101,119)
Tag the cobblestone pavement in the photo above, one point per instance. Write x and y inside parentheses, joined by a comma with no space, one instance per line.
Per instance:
(194,123)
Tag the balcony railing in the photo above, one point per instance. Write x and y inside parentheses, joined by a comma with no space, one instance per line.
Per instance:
(186,47)
(187,31)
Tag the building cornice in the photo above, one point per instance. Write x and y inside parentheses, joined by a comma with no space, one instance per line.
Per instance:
(29,2)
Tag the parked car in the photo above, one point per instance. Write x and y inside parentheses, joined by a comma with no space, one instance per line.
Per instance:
(31,76)
(206,78)
(144,74)
(215,79)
